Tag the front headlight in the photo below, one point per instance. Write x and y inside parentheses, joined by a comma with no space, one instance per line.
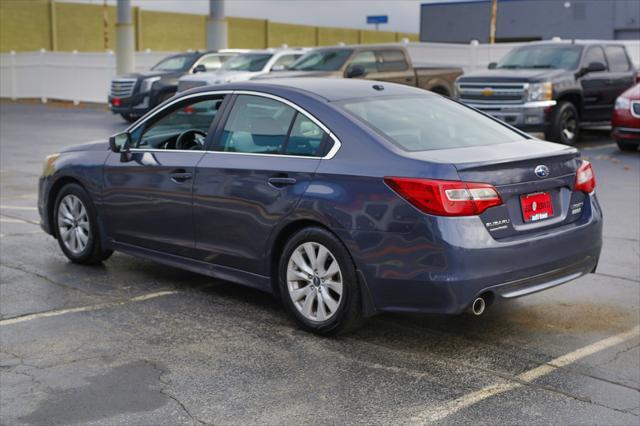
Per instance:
(49,160)
(623,103)
(540,91)
(147,83)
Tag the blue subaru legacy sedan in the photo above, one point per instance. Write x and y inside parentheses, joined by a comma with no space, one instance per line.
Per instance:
(345,198)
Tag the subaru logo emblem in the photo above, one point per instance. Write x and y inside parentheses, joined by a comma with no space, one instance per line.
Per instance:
(541,171)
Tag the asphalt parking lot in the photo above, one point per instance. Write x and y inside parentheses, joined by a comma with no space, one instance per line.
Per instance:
(133,342)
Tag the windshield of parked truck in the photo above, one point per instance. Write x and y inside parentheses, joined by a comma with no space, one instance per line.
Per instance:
(252,62)
(322,60)
(175,63)
(560,56)
(428,122)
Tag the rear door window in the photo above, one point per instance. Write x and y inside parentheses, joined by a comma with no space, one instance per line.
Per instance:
(392,60)
(617,58)
(256,125)
(306,138)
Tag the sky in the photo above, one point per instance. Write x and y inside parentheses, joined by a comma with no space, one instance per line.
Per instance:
(404,15)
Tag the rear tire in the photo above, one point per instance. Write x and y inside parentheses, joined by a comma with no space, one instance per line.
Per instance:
(76,226)
(627,146)
(318,283)
(565,124)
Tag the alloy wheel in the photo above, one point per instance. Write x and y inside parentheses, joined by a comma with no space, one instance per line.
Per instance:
(73,224)
(314,281)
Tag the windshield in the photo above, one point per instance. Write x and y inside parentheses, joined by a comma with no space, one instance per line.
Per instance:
(559,57)
(249,62)
(427,122)
(322,60)
(174,63)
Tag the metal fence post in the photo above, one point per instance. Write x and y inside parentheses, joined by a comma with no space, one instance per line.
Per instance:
(43,76)
(12,73)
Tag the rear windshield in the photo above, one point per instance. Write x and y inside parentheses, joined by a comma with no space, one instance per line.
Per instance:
(252,62)
(428,122)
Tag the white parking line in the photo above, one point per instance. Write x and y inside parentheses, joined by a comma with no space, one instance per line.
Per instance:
(2,206)
(58,312)
(11,220)
(438,413)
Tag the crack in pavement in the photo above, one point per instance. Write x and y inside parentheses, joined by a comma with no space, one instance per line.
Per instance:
(165,391)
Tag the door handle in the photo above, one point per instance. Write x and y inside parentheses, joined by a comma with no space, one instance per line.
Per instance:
(281,181)
(180,176)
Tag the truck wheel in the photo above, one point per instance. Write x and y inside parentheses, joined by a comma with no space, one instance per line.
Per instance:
(565,124)
(128,117)
(627,146)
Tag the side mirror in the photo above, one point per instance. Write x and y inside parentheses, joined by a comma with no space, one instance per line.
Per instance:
(199,68)
(355,71)
(121,143)
(593,67)
(492,65)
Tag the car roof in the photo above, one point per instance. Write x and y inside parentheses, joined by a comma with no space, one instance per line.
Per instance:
(574,42)
(330,89)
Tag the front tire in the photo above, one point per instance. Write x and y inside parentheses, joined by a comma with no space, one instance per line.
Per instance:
(318,283)
(76,226)
(565,124)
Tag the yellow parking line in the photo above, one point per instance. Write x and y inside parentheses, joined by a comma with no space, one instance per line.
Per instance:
(440,412)
(58,312)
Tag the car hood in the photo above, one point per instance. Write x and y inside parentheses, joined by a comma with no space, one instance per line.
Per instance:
(502,75)
(220,77)
(101,145)
(294,74)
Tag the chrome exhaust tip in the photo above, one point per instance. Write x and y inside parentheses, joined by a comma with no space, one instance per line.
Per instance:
(478,306)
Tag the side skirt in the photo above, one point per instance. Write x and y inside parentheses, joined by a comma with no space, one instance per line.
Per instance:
(226,273)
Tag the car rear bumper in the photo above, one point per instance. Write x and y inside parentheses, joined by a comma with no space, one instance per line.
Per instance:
(529,116)
(448,263)
(626,133)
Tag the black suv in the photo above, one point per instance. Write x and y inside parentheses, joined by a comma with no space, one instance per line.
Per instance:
(132,95)
(552,87)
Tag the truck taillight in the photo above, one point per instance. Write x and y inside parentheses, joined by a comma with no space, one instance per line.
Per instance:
(585,178)
(445,197)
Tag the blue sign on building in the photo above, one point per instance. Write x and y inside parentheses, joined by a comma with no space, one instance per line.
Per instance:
(377,19)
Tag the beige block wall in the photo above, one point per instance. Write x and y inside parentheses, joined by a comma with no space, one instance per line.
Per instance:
(29,25)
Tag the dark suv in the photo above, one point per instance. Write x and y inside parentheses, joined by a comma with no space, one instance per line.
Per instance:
(132,95)
(552,87)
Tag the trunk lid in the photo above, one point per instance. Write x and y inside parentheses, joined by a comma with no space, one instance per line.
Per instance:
(511,168)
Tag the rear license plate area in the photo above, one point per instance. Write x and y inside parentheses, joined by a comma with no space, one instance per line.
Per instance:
(536,206)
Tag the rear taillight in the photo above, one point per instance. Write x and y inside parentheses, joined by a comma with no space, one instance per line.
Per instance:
(585,178)
(445,197)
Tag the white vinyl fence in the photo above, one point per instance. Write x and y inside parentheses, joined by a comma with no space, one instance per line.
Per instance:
(71,76)
(85,77)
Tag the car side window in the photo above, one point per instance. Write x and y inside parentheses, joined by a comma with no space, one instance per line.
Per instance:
(595,54)
(392,60)
(305,138)
(256,125)
(165,132)
(284,61)
(212,62)
(366,59)
(617,58)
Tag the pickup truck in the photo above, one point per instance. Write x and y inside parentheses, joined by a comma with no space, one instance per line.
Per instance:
(132,95)
(383,63)
(553,88)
